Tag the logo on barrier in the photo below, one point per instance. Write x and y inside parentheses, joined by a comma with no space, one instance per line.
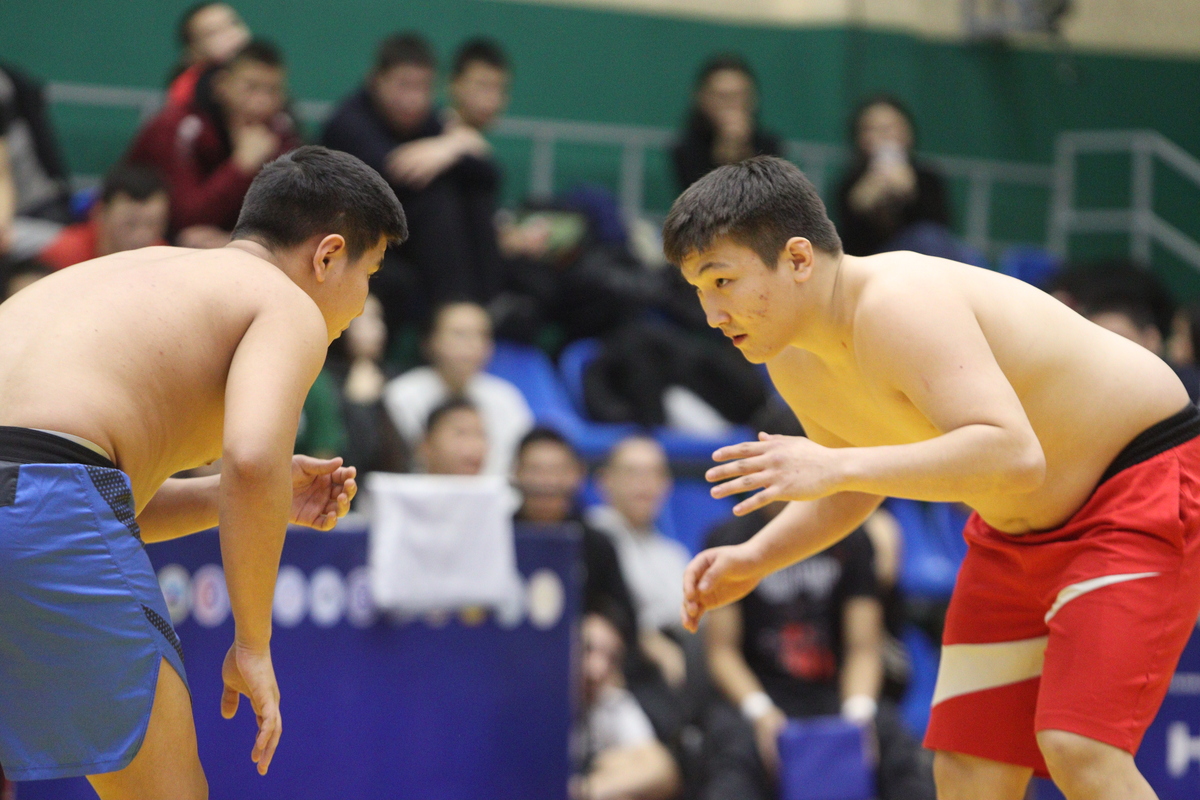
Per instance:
(176,585)
(360,605)
(291,596)
(327,597)
(210,599)
(545,599)
(1182,749)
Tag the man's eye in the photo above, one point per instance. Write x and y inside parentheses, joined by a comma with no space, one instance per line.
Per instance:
(720,282)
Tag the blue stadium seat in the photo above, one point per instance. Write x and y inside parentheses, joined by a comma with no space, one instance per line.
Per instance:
(824,758)
(933,547)
(1034,265)
(923,658)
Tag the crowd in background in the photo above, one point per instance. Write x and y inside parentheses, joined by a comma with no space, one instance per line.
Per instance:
(664,713)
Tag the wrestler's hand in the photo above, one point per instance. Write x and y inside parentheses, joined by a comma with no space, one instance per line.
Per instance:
(249,672)
(784,467)
(716,577)
(321,491)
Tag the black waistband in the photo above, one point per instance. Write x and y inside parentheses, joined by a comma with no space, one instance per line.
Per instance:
(30,446)
(1158,438)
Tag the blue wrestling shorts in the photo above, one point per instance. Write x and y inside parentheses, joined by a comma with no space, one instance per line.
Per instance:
(83,624)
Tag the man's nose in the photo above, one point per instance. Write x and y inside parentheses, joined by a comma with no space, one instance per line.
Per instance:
(714,315)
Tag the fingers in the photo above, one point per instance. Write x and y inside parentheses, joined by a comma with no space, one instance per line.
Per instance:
(742,466)
(691,614)
(694,571)
(746,483)
(270,727)
(317,466)
(751,504)
(743,450)
(229,702)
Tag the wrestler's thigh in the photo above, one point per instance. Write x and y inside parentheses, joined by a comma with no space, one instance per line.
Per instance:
(167,766)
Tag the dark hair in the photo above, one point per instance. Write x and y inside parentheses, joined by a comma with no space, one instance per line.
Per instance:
(136,181)
(1116,285)
(760,203)
(880,100)
(720,63)
(479,50)
(183,31)
(611,455)
(314,190)
(14,269)
(430,325)
(260,51)
(407,48)
(448,406)
(542,434)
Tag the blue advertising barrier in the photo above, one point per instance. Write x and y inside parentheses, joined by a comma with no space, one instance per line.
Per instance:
(461,707)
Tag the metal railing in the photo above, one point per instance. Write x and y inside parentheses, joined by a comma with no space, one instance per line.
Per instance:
(817,159)
(1144,226)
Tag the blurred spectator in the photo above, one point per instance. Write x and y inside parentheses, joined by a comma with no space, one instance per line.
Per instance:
(208,151)
(130,213)
(479,82)
(548,473)
(614,744)
(372,442)
(321,433)
(19,274)
(635,482)
(886,192)
(391,124)
(458,348)
(455,442)
(34,198)
(209,34)
(722,127)
(805,642)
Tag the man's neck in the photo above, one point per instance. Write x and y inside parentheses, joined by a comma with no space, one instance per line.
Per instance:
(255,249)
(827,310)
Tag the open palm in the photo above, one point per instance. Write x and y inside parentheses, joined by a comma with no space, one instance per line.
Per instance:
(321,491)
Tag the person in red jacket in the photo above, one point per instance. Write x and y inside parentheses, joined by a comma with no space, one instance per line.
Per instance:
(209,150)
(209,34)
(130,213)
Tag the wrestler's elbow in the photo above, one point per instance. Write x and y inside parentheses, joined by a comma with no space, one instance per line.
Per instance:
(1027,466)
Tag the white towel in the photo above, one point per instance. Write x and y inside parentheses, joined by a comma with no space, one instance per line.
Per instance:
(441,542)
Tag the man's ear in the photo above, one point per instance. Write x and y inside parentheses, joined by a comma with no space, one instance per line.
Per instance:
(798,257)
(329,249)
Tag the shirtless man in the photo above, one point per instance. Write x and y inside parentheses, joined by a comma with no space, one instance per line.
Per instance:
(923,378)
(117,374)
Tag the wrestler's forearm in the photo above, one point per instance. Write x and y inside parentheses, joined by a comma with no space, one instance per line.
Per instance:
(255,497)
(181,506)
(807,527)
(971,460)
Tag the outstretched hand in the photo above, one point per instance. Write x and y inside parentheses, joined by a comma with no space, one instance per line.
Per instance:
(250,672)
(321,491)
(717,577)
(783,467)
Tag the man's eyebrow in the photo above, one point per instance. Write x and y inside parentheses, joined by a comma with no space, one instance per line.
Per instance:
(710,265)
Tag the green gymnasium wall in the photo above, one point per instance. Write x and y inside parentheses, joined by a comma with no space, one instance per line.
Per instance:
(978,100)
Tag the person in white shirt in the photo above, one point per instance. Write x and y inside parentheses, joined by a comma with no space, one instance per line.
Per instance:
(635,481)
(458,348)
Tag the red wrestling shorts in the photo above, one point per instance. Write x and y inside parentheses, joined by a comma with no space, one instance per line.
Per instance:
(1080,628)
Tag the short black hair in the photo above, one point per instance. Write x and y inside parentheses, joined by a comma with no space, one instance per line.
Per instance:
(136,181)
(722,62)
(313,190)
(429,326)
(183,31)
(260,51)
(881,99)
(455,402)
(405,48)
(481,50)
(760,203)
(1137,310)
(543,434)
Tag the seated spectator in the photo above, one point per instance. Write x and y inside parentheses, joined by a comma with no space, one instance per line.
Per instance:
(208,151)
(391,124)
(455,442)
(372,442)
(130,213)
(635,482)
(210,34)
(886,191)
(479,82)
(34,197)
(722,127)
(458,348)
(17,275)
(613,744)
(806,642)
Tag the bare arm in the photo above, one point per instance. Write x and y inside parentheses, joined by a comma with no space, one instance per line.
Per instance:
(179,507)
(862,665)
(925,344)
(8,198)
(275,363)
(641,772)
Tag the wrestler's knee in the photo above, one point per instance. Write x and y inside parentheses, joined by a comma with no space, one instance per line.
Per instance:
(1074,760)
(963,777)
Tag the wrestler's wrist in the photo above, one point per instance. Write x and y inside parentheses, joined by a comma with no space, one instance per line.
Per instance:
(252,642)
(844,472)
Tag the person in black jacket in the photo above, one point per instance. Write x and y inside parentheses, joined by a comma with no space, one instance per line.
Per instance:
(886,191)
(722,127)
(437,167)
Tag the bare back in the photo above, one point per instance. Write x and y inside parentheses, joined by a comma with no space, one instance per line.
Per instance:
(132,351)
(1086,391)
